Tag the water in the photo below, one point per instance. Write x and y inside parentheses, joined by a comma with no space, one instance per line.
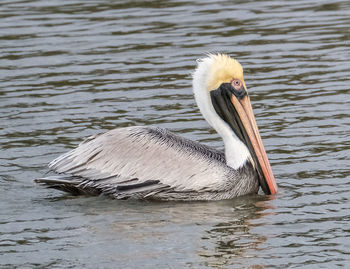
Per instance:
(74,68)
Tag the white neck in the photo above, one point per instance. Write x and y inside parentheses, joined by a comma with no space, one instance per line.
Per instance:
(236,151)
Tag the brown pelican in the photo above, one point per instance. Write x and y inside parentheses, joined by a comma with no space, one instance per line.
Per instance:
(153,163)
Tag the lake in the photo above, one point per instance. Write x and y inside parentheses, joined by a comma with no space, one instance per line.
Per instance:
(70,69)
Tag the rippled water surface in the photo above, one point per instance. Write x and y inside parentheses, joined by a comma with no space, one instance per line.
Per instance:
(69,69)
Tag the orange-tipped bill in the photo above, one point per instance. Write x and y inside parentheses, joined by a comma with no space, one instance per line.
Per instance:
(246,115)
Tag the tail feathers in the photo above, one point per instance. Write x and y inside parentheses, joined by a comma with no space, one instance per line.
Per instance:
(123,190)
(67,183)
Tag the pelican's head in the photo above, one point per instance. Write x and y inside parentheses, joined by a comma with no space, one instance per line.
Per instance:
(222,97)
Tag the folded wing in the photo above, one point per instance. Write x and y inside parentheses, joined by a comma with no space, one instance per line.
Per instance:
(141,162)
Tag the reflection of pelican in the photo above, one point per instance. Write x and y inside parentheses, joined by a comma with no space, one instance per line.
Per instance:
(151,162)
(232,236)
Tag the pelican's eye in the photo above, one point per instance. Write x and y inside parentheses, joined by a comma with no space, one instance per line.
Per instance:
(237,84)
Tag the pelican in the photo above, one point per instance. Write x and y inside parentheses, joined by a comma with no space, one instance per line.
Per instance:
(148,162)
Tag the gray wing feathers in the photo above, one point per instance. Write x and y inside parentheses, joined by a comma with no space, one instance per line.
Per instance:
(154,159)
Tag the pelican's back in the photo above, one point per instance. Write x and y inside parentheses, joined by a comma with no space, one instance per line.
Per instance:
(148,162)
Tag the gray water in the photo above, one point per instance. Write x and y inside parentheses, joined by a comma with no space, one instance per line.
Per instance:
(70,69)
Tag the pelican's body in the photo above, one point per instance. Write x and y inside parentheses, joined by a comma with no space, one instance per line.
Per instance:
(153,163)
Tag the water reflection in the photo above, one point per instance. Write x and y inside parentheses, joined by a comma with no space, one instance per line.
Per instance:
(219,233)
(234,242)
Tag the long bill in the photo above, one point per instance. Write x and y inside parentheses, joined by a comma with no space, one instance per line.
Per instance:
(245,112)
